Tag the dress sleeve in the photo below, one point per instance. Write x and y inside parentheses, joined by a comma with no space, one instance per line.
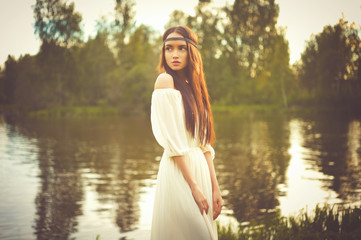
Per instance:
(168,123)
(209,148)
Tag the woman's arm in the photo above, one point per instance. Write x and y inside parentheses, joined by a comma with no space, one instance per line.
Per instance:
(198,196)
(217,197)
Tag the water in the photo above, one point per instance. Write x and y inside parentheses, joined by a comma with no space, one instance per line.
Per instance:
(79,178)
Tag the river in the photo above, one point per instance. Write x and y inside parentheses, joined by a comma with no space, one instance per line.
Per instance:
(76,178)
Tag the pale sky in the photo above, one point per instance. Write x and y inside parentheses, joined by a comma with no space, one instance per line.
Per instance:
(301,18)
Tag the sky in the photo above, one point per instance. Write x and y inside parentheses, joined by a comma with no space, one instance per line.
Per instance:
(301,18)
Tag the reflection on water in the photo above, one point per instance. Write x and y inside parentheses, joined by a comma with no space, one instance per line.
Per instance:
(18,184)
(251,160)
(77,178)
(96,168)
(305,185)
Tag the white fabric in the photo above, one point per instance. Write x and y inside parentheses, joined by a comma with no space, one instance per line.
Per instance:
(209,148)
(176,215)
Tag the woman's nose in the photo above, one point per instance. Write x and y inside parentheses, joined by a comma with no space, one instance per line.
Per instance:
(175,54)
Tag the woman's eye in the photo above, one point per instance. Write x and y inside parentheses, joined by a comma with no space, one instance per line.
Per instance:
(167,48)
(183,48)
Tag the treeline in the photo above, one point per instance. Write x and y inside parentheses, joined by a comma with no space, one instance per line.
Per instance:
(330,67)
(245,56)
(116,67)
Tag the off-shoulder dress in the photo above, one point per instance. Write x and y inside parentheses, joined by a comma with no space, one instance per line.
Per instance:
(176,215)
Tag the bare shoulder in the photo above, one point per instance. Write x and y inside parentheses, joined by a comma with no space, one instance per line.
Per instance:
(164,80)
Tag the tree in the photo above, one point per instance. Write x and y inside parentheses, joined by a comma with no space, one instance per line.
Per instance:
(56,21)
(248,31)
(32,92)
(178,17)
(308,70)
(130,84)
(331,63)
(9,80)
(123,24)
(275,76)
(95,61)
(58,26)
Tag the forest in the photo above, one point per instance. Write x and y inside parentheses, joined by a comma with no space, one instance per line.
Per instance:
(245,56)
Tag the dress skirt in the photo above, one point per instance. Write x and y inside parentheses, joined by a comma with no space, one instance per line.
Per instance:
(176,215)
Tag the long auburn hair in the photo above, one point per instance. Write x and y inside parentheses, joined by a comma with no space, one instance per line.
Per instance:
(195,95)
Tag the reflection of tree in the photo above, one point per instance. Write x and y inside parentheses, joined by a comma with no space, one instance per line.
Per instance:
(334,141)
(122,159)
(59,198)
(60,192)
(128,210)
(58,201)
(252,159)
(116,153)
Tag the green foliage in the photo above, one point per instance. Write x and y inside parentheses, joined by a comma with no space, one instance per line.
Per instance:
(88,78)
(56,21)
(226,233)
(123,24)
(9,80)
(2,88)
(77,111)
(331,63)
(245,59)
(131,91)
(275,77)
(247,33)
(130,84)
(324,223)
(94,62)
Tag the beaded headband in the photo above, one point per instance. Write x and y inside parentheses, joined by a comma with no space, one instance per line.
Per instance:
(180,38)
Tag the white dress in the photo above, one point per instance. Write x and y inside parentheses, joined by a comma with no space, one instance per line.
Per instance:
(176,215)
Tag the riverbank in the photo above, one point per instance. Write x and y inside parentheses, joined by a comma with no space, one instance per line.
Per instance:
(106,110)
(268,108)
(77,111)
(324,223)
(68,111)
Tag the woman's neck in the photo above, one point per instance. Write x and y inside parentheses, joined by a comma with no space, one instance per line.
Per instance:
(182,75)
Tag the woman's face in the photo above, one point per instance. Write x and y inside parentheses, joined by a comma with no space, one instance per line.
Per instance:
(176,52)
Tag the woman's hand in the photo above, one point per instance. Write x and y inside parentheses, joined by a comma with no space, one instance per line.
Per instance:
(217,203)
(200,199)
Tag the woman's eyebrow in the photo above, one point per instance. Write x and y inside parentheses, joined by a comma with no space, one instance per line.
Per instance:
(170,45)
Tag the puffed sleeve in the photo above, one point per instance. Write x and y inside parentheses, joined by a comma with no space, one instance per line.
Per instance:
(168,123)
(209,148)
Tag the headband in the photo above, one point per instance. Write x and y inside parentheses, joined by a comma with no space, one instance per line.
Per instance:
(180,38)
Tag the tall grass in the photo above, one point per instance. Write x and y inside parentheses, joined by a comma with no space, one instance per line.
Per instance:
(325,223)
(76,111)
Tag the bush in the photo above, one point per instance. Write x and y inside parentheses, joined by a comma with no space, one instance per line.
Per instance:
(325,223)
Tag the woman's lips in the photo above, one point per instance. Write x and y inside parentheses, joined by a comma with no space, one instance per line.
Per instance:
(175,63)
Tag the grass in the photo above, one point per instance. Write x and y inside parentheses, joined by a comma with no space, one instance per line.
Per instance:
(324,223)
(247,107)
(107,110)
(76,111)
(267,108)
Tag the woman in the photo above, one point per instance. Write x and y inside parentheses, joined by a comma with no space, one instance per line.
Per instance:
(187,198)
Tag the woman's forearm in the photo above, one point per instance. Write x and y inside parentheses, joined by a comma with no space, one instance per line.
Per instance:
(217,196)
(198,195)
(186,171)
(212,171)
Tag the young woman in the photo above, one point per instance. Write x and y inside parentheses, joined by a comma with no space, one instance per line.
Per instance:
(187,198)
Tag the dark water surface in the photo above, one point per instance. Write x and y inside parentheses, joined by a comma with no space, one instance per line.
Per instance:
(77,178)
